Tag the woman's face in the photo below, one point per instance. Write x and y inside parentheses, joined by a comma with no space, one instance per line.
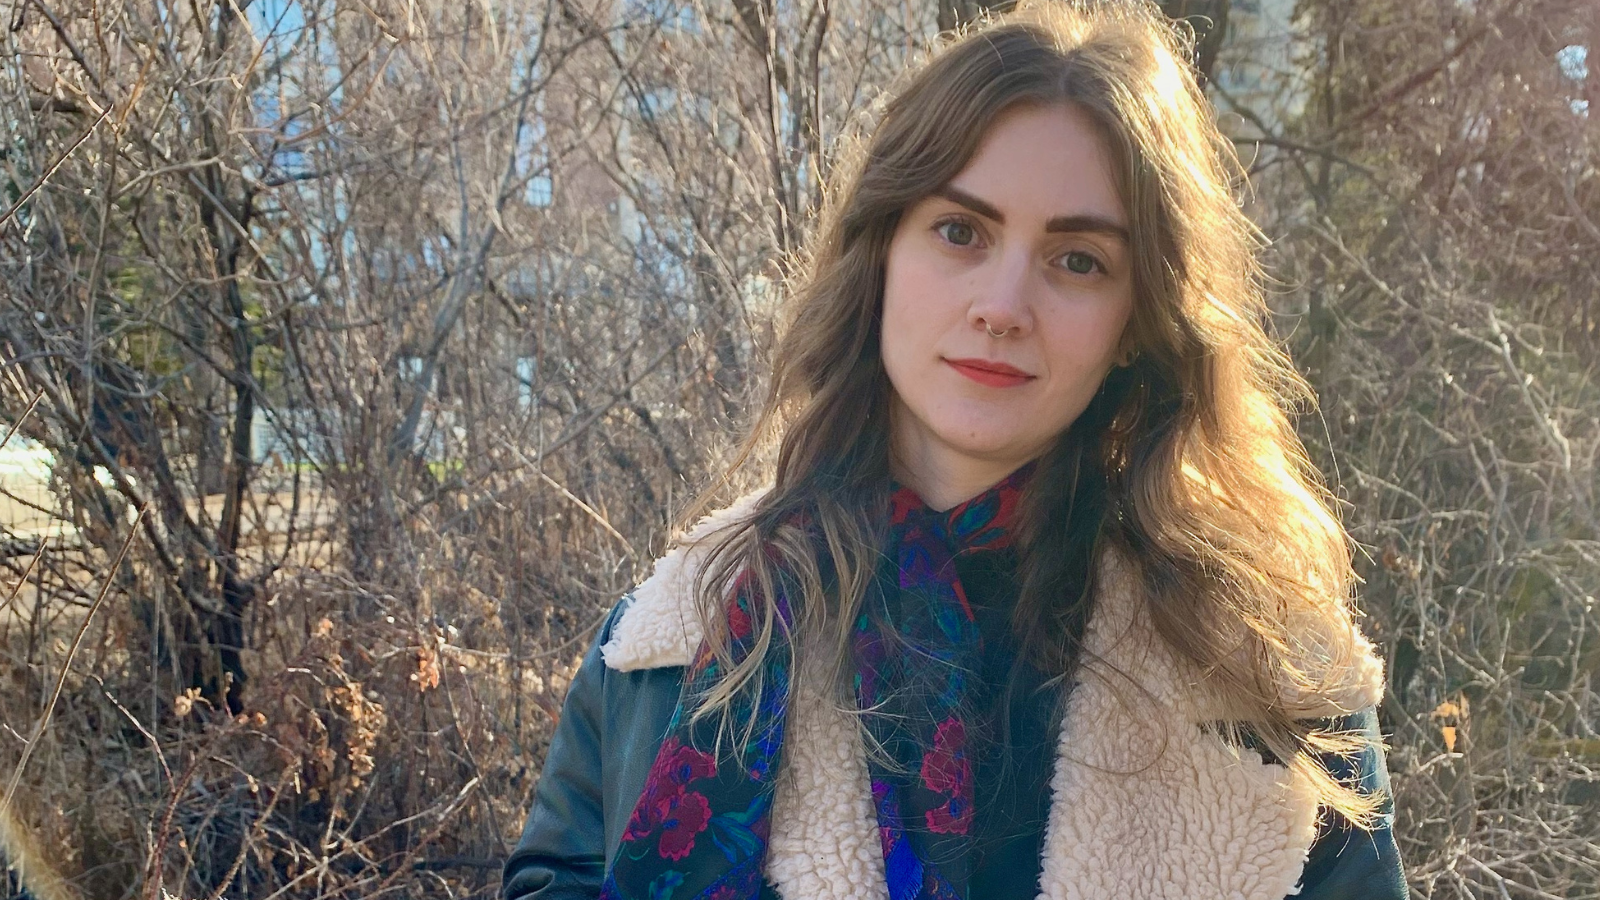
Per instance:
(1029,241)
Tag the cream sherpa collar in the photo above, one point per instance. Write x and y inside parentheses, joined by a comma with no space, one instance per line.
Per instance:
(1146,802)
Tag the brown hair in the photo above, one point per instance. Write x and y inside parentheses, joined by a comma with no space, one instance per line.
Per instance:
(1185,463)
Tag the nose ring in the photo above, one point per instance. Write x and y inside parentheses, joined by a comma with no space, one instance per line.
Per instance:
(992,333)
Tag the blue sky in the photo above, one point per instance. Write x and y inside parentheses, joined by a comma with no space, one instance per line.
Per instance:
(280,18)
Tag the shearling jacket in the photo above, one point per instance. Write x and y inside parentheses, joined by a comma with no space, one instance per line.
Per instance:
(1148,800)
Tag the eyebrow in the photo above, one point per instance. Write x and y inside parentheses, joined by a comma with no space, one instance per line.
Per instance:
(1086,222)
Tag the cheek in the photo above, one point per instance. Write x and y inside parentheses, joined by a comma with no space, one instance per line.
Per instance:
(906,330)
(1082,349)
(1088,333)
(896,342)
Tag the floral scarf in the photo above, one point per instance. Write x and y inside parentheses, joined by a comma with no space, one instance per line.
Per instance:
(702,823)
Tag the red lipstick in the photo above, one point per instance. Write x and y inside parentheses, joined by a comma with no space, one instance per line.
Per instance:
(990,373)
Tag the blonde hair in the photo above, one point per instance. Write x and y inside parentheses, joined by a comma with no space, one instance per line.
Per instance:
(1185,463)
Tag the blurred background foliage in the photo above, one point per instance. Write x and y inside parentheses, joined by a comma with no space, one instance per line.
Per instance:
(356,356)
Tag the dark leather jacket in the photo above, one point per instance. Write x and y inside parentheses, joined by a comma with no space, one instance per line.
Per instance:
(613,723)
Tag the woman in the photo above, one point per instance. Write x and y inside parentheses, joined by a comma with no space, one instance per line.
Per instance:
(1044,599)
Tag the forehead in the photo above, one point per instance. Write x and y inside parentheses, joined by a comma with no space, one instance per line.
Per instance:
(1039,162)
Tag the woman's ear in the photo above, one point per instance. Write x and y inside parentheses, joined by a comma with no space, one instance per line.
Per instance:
(1127,349)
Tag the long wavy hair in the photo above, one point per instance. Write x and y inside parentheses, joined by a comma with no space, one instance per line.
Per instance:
(1185,463)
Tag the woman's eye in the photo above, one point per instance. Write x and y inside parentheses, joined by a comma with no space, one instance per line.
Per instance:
(1080,262)
(959,233)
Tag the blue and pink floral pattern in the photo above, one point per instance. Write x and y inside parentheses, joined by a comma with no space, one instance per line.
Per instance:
(700,828)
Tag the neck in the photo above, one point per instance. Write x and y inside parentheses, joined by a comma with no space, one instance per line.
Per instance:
(942,493)
(944,479)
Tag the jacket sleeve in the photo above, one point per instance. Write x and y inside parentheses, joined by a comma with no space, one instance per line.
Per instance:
(562,852)
(1345,862)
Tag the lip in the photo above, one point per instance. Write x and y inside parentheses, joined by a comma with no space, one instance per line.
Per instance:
(990,373)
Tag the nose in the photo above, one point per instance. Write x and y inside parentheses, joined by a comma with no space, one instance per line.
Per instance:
(1001,299)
